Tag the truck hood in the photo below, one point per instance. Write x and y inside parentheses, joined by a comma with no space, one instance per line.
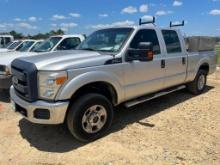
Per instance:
(7,58)
(65,60)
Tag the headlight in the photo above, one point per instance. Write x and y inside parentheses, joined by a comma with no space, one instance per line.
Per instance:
(5,70)
(49,83)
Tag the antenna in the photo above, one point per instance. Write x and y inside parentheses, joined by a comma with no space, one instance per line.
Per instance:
(173,24)
(146,22)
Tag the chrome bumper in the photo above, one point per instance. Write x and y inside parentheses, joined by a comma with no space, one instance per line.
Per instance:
(57,110)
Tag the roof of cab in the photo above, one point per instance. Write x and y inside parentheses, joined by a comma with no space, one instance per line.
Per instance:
(148,26)
(6,35)
(68,35)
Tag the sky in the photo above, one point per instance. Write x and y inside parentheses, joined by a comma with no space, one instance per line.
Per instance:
(85,16)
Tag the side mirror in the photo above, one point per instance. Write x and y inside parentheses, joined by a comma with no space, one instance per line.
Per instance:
(144,52)
(145,45)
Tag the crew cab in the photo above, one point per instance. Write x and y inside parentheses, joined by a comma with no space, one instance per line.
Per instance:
(31,48)
(123,65)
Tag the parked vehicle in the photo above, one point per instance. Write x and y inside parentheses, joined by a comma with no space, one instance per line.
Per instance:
(6,49)
(5,40)
(55,43)
(13,47)
(62,42)
(27,46)
(126,65)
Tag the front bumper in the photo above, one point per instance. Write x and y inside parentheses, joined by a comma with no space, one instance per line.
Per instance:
(56,110)
(5,81)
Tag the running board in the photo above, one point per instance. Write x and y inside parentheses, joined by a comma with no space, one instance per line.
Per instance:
(153,96)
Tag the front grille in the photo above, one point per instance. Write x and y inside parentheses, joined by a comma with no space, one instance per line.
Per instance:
(24,80)
(19,81)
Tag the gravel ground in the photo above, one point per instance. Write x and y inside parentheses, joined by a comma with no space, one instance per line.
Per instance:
(175,129)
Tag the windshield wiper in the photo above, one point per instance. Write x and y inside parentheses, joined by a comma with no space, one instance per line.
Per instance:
(90,49)
(39,51)
(105,51)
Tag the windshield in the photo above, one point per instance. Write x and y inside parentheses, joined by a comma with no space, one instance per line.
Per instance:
(9,44)
(48,44)
(25,46)
(110,40)
(14,45)
(36,46)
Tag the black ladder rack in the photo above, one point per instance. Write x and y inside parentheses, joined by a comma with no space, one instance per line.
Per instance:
(176,25)
(146,22)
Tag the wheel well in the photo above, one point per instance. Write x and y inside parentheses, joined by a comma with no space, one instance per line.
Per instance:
(102,88)
(204,67)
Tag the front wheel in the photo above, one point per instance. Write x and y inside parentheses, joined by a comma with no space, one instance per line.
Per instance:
(89,117)
(199,84)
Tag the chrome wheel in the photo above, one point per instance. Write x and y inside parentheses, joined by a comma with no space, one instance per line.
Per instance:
(201,82)
(94,119)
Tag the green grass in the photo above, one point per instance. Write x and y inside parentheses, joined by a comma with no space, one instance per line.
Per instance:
(218,53)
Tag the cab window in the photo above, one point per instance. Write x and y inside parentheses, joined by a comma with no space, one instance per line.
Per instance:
(69,44)
(172,41)
(2,41)
(7,40)
(146,35)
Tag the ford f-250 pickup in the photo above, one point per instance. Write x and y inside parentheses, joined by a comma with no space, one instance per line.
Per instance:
(124,65)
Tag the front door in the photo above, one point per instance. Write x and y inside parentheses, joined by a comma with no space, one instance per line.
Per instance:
(144,77)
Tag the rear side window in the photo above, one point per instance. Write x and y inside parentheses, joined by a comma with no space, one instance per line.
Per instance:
(147,35)
(172,41)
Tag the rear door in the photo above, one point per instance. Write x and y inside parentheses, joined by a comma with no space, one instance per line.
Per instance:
(175,62)
(144,77)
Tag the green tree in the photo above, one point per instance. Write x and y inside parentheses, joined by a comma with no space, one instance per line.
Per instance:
(58,32)
(17,35)
(37,36)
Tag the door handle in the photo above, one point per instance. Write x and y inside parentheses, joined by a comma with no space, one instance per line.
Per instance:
(163,64)
(184,60)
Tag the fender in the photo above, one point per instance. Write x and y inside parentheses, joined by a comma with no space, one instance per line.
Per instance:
(68,90)
(200,63)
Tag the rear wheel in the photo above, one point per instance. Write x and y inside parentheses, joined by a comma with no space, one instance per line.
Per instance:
(89,117)
(199,84)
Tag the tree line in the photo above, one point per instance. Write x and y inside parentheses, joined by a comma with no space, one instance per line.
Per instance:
(18,35)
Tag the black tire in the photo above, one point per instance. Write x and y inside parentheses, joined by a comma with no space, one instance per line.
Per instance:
(193,86)
(78,110)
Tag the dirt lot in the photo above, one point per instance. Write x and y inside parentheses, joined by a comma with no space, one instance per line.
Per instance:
(175,129)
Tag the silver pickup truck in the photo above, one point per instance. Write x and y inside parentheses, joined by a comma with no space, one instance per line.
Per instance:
(124,65)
